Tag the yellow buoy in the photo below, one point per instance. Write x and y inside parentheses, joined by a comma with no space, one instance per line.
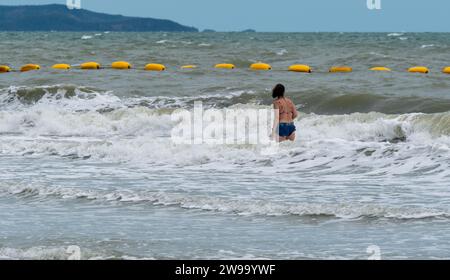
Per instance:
(90,66)
(260,66)
(29,67)
(446,70)
(155,67)
(61,66)
(121,65)
(225,66)
(341,69)
(4,69)
(380,69)
(300,68)
(419,69)
(188,66)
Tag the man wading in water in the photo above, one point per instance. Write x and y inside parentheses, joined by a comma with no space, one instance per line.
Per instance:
(283,128)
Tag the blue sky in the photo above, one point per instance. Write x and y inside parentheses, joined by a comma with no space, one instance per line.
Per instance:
(281,15)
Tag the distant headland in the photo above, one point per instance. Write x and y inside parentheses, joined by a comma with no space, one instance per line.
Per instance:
(59,18)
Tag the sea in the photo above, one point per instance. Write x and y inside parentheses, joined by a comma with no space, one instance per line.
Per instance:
(88,168)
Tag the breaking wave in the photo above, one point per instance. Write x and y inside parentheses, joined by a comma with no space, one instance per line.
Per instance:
(84,123)
(354,210)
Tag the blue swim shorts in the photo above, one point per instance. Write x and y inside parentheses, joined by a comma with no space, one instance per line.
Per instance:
(286,129)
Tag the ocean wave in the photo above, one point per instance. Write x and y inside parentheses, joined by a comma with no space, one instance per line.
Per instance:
(62,96)
(73,122)
(34,253)
(320,101)
(138,133)
(86,98)
(395,34)
(324,102)
(60,120)
(242,207)
(282,52)
(59,253)
(427,46)
(378,127)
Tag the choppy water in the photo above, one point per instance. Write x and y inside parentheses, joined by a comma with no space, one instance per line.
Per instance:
(86,157)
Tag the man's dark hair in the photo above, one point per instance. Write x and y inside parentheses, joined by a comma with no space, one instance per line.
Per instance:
(278,91)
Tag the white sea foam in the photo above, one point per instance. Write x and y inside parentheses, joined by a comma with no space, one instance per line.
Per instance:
(282,52)
(395,34)
(34,253)
(86,37)
(56,253)
(427,46)
(239,206)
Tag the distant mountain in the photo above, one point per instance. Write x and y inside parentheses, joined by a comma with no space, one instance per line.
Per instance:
(60,18)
